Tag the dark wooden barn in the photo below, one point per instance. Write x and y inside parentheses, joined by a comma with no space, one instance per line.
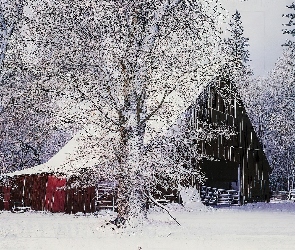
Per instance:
(240,165)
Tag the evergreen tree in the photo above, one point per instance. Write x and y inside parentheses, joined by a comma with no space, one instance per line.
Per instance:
(276,98)
(236,45)
(237,56)
(291,29)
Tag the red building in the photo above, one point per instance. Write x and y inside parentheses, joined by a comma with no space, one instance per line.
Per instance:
(49,186)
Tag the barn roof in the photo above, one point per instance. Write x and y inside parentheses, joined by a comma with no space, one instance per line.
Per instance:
(62,163)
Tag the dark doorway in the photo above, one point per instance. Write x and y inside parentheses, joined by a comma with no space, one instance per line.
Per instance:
(221,174)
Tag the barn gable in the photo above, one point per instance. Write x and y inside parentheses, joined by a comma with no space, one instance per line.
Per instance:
(240,163)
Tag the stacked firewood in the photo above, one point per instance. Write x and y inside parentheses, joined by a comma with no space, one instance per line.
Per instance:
(292,194)
(209,196)
(214,196)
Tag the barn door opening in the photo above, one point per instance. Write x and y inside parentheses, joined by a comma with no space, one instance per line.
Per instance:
(223,182)
(221,174)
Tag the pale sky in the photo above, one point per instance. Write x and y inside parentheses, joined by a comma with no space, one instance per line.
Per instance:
(262,21)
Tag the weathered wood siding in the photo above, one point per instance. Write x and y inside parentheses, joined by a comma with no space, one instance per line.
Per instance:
(46,192)
(80,200)
(6,190)
(1,197)
(55,194)
(244,148)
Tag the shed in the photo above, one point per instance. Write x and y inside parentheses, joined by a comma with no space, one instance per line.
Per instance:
(48,186)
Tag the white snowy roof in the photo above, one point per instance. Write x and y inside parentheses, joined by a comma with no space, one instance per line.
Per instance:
(63,162)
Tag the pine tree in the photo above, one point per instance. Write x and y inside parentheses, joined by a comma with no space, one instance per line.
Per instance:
(291,29)
(237,56)
(236,45)
(291,23)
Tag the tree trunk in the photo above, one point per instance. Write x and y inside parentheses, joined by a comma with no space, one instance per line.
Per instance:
(131,189)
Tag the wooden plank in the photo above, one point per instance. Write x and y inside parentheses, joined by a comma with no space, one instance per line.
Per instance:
(59,198)
(16,193)
(7,197)
(28,181)
(38,192)
(69,200)
(43,179)
(1,197)
(75,201)
(49,193)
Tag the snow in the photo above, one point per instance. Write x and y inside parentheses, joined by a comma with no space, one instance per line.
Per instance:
(64,162)
(254,226)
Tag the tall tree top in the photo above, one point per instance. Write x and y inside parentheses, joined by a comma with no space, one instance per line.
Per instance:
(290,26)
(291,21)
(237,42)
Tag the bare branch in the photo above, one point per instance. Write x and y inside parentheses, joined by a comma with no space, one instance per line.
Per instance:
(161,206)
(166,94)
(83,95)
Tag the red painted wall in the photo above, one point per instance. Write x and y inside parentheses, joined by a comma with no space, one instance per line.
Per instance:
(47,192)
(55,194)
(1,198)
(6,197)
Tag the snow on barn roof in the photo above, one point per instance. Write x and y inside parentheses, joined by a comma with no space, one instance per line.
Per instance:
(62,163)
(67,163)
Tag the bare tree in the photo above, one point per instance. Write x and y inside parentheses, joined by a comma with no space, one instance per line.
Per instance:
(25,107)
(10,15)
(127,69)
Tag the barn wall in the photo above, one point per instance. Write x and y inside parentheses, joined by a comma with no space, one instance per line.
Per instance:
(6,200)
(28,190)
(1,197)
(38,192)
(244,148)
(55,194)
(17,191)
(80,200)
(46,192)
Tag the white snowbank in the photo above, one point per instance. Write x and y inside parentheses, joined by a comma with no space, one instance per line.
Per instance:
(254,226)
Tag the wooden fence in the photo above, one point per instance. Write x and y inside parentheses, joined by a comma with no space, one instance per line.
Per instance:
(214,196)
(80,200)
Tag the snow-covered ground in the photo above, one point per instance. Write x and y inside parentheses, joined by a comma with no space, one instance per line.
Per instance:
(254,226)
